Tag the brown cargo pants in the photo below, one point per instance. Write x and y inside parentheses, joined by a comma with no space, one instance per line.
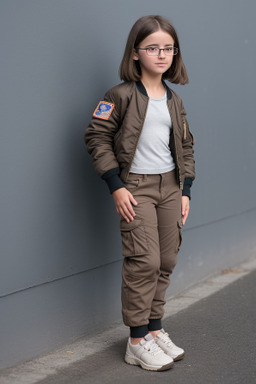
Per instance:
(150,246)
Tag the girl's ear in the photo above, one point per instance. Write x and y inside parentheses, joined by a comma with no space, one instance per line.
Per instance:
(135,54)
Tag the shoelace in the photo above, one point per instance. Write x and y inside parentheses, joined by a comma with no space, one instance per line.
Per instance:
(152,347)
(166,339)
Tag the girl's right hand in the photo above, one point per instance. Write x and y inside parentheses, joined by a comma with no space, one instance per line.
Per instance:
(123,200)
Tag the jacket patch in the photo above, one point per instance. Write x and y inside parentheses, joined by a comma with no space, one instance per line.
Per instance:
(104,110)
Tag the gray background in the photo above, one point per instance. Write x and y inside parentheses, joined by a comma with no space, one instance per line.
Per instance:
(60,246)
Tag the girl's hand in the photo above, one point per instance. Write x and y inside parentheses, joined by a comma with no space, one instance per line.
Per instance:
(123,201)
(184,208)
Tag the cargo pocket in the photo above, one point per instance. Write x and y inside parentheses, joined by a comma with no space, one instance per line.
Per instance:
(134,239)
(180,225)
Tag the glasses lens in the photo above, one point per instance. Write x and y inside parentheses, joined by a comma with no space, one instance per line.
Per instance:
(168,51)
(152,51)
(171,51)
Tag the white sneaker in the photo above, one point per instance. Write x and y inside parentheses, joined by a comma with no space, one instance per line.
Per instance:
(148,355)
(163,341)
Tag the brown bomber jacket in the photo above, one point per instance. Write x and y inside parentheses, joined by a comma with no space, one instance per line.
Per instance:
(112,142)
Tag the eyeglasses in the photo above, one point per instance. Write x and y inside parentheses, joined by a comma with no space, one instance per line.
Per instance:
(155,51)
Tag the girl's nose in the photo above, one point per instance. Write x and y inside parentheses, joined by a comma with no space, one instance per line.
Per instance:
(161,53)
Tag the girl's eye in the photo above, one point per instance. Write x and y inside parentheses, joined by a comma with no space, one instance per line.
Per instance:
(152,49)
(169,49)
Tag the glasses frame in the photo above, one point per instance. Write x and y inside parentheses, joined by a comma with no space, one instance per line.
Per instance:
(173,53)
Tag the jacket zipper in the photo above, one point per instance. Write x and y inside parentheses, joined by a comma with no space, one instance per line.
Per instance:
(185,128)
(177,160)
(176,155)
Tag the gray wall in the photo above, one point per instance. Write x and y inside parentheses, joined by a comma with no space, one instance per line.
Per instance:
(60,246)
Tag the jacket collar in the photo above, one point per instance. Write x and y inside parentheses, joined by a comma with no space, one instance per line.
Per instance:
(142,89)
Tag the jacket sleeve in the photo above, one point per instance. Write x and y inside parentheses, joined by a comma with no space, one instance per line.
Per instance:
(99,140)
(188,155)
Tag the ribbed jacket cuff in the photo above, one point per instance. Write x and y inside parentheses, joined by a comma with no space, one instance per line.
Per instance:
(113,180)
(187,187)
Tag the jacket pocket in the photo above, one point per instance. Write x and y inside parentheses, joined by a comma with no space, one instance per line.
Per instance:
(186,131)
(134,239)
(185,127)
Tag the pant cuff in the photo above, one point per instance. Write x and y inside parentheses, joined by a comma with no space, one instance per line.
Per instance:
(140,331)
(154,324)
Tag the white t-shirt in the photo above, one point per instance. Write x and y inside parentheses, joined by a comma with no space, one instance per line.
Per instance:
(153,155)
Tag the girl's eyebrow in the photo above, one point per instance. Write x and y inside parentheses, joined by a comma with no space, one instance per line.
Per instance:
(157,45)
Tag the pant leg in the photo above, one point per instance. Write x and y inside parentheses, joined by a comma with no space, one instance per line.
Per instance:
(169,228)
(140,243)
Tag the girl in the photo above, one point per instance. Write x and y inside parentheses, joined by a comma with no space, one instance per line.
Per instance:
(142,147)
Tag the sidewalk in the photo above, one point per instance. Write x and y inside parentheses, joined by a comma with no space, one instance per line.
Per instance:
(218,333)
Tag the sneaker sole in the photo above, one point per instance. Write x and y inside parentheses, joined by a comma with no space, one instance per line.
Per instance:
(133,361)
(180,357)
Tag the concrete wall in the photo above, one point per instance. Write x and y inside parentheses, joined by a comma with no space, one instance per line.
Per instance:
(58,57)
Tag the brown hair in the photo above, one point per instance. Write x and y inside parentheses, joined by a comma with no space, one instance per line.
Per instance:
(145,26)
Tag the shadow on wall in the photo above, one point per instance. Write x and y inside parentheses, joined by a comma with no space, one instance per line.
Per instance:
(95,220)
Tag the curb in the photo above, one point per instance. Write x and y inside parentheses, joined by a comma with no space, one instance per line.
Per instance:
(35,370)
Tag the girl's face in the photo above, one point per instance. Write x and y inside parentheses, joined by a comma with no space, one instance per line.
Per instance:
(154,65)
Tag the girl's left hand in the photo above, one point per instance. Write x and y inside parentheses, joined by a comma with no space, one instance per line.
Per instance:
(184,208)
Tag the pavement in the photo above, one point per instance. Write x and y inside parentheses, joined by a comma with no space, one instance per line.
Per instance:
(215,322)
